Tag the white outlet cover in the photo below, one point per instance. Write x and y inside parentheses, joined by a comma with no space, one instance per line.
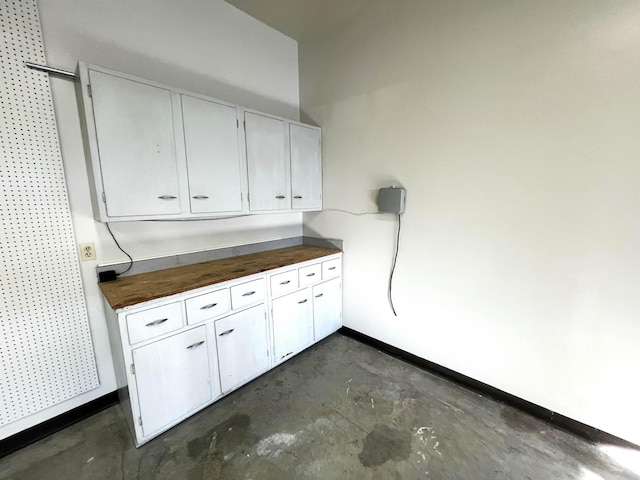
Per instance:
(87,251)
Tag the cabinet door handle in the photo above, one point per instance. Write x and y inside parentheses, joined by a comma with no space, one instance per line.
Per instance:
(156,322)
(298,196)
(285,282)
(319,295)
(167,197)
(248,293)
(280,197)
(285,355)
(311,274)
(197,344)
(332,268)
(207,307)
(200,197)
(227,332)
(303,301)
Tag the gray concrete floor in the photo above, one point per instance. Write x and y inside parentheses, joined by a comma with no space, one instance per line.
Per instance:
(340,410)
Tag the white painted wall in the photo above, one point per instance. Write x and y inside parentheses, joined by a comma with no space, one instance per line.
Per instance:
(206,46)
(514,127)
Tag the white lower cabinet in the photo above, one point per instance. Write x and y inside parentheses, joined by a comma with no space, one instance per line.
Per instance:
(180,353)
(243,346)
(292,324)
(327,308)
(172,378)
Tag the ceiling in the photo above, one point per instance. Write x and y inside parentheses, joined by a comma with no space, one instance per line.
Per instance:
(302,19)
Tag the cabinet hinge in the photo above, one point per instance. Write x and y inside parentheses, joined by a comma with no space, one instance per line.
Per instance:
(140,421)
(133,369)
(89,91)
(244,124)
(104,198)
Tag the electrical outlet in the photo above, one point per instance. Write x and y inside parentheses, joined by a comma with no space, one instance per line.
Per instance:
(87,251)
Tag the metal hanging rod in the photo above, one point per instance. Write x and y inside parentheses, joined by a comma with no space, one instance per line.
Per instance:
(54,71)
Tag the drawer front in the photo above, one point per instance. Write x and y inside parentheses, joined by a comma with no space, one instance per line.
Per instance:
(331,268)
(153,322)
(207,306)
(284,282)
(247,293)
(310,274)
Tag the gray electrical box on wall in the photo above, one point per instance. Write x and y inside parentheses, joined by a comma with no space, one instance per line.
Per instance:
(391,200)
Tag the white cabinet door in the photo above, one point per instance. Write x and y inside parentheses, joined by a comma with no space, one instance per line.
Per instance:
(306,167)
(172,378)
(292,324)
(135,133)
(242,346)
(266,163)
(213,158)
(327,308)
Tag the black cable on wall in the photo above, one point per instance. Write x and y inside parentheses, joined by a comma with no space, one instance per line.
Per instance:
(118,245)
(393,266)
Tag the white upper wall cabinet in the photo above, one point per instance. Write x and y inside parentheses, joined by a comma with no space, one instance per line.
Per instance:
(155,151)
(266,162)
(305,145)
(213,156)
(137,147)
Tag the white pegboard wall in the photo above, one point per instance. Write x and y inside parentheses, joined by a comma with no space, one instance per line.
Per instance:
(46,353)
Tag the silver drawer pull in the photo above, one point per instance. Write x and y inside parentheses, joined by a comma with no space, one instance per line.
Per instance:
(227,332)
(297,196)
(285,282)
(207,307)
(332,268)
(197,344)
(280,197)
(167,197)
(200,197)
(310,274)
(319,295)
(156,322)
(286,355)
(303,301)
(248,293)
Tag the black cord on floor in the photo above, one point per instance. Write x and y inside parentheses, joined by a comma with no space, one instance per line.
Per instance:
(393,267)
(118,245)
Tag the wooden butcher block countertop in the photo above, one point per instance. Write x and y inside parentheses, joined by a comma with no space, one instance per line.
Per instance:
(127,291)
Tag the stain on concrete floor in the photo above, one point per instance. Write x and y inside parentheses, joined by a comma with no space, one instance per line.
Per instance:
(383,444)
